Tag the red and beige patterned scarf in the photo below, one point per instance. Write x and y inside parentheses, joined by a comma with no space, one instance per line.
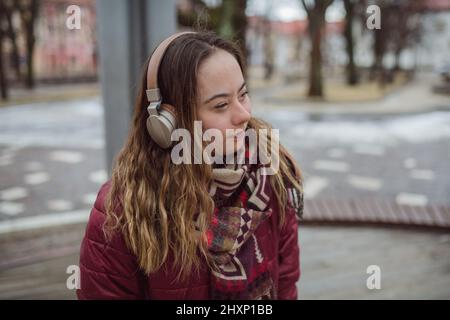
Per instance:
(241,193)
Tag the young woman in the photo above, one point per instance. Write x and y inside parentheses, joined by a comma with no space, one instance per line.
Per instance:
(166,230)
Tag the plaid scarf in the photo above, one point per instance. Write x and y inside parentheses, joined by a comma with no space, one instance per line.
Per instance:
(241,194)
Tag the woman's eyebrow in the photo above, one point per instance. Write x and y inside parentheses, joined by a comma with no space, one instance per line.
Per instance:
(221,95)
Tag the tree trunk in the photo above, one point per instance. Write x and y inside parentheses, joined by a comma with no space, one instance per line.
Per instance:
(3,80)
(316,25)
(315,74)
(240,25)
(226,26)
(29,16)
(268,50)
(29,81)
(398,53)
(378,51)
(12,36)
(352,76)
(234,23)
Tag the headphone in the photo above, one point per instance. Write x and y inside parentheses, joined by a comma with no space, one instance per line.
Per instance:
(162,116)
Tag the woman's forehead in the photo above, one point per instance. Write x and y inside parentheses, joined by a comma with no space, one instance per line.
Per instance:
(219,72)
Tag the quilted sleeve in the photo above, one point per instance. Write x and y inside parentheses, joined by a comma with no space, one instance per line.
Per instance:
(108,270)
(289,257)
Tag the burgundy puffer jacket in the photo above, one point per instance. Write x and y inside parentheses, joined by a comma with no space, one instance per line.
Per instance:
(110,271)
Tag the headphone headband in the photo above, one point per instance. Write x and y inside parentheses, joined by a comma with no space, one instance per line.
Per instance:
(153,94)
(162,118)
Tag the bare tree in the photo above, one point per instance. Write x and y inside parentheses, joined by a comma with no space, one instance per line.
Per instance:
(3,78)
(200,16)
(234,22)
(407,31)
(8,10)
(316,23)
(228,19)
(353,9)
(381,39)
(268,48)
(400,28)
(28,13)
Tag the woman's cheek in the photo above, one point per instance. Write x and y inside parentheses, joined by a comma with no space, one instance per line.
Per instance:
(249,106)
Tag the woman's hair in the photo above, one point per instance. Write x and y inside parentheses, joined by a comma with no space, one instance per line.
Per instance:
(154,202)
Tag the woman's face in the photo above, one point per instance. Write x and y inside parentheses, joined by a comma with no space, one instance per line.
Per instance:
(222,99)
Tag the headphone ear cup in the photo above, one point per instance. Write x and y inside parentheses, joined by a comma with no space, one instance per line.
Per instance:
(161,126)
(168,111)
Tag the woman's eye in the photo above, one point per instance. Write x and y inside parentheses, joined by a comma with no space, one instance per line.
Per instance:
(220,106)
(244,94)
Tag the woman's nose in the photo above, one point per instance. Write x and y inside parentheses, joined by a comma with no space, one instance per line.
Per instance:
(240,114)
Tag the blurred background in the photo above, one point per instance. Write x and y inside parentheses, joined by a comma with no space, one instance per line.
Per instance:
(360,91)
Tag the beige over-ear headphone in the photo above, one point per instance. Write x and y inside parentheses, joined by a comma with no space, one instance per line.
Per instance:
(162,116)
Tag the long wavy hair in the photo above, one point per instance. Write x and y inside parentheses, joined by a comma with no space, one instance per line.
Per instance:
(152,201)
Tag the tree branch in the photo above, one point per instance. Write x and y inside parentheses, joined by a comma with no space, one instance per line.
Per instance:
(307,9)
(327,3)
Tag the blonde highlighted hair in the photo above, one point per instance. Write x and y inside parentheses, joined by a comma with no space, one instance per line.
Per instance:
(154,202)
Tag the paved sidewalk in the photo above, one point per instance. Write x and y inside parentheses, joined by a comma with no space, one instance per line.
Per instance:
(415,97)
(52,164)
(52,161)
(51,93)
(414,264)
